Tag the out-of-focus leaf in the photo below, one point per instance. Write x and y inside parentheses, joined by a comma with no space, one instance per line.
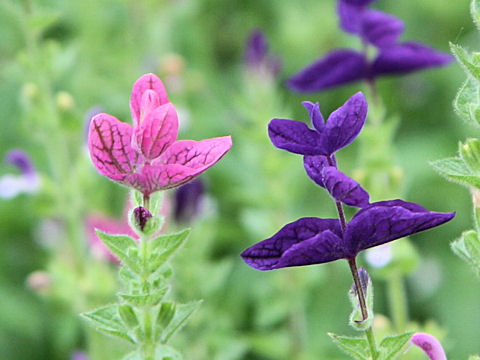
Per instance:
(467,247)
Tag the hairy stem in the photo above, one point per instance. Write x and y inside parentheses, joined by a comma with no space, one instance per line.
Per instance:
(371,343)
(361,296)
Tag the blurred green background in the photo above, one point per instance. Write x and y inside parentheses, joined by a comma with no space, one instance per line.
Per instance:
(92,51)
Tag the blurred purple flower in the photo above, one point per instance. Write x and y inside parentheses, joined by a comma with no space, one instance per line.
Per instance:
(27,182)
(342,66)
(314,241)
(430,345)
(188,201)
(80,355)
(257,58)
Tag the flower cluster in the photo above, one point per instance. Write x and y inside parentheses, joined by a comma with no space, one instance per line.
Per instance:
(374,28)
(147,156)
(312,240)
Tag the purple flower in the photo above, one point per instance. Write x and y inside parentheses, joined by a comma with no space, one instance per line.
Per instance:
(257,58)
(430,345)
(376,28)
(340,129)
(314,241)
(141,215)
(188,199)
(80,355)
(28,180)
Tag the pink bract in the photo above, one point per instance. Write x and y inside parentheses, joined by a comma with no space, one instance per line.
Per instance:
(148,156)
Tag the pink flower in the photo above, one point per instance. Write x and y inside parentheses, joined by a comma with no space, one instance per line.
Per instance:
(148,156)
(430,345)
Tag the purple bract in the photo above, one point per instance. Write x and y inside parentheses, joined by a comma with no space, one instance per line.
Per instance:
(342,66)
(314,241)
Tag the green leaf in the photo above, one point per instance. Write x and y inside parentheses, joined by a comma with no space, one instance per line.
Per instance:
(133,356)
(475,11)
(124,247)
(391,346)
(470,65)
(182,313)
(454,169)
(474,357)
(164,246)
(354,346)
(467,247)
(107,320)
(165,314)
(128,316)
(150,299)
(40,21)
(467,102)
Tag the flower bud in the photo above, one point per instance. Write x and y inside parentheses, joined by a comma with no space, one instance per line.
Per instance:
(65,101)
(356,318)
(470,153)
(142,215)
(40,282)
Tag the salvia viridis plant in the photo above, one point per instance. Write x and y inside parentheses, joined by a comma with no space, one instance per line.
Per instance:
(148,158)
(312,240)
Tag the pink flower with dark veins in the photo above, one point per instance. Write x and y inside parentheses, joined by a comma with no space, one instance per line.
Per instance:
(147,156)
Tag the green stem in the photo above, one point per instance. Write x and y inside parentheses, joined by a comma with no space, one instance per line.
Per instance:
(397,301)
(148,344)
(371,343)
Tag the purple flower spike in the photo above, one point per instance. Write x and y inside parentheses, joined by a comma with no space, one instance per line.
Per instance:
(314,241)
(341,128)
(408,57)
(257,49)
(21,160)
(358,2)
(337,68)
(430,345)
(257,57)
(188,201)
(27,182)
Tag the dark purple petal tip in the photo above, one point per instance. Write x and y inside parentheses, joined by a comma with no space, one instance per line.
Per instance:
(408,57)
(315,115)
(338,67)
(302,242)
(314,166)
(385,221)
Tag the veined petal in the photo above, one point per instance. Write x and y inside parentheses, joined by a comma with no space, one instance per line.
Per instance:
(144,83)
(157,132)
(295,136)
(344,189)
(150,101)
(314,166)
(408,57)
(315,115)
(322,234)
(381,29)
(109,142)
(337,68)
(198,155)
(385,221)
(345,123)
